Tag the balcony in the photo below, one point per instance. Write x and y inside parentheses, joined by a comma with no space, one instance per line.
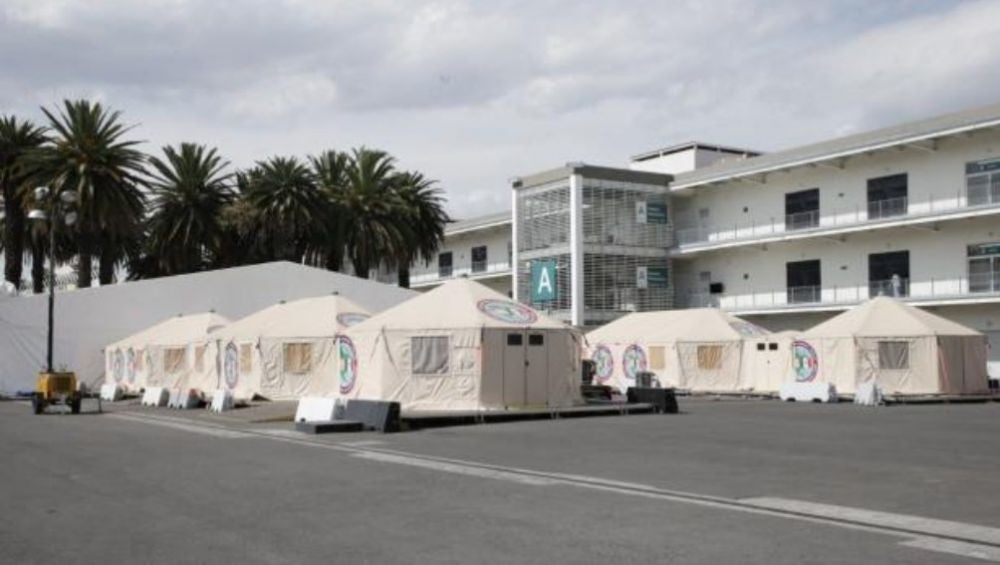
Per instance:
(825,222)
(475,270)
(976,288)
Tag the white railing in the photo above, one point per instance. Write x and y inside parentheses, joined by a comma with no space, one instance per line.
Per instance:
(433,275)
(985,285)
(876,211)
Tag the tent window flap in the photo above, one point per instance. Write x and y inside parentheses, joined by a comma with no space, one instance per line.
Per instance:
(894,355)
(709,356)
(199,358)
(297,358)
(656,358)
(246,358)
(429,355)
(173,360)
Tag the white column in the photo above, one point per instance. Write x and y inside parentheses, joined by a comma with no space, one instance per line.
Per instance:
(576,248)
(514,225)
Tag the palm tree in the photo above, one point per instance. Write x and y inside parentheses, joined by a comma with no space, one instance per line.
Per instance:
(189,190)
(422,208)
(18,138)
(88,155)
(373,226)
(329,169)
(289,205)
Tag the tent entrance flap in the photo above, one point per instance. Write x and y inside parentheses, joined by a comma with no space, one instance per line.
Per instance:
(515,356)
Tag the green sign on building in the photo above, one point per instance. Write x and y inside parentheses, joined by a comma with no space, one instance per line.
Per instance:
(543,281)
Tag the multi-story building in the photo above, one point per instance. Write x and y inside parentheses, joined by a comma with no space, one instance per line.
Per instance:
(785,239)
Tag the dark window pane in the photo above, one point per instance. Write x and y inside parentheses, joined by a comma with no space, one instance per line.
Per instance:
(802,209)
(760,347)
(479,262)
(772,346)
(887,196)
(515,339)
(444,264)
(536,339)
(889,273)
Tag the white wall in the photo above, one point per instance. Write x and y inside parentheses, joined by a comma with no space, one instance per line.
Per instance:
(671,164)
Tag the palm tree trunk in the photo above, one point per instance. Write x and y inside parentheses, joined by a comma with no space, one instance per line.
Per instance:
(106,265)
(13,239)
(403,277)
(85,263)
(361,267)
(37,265)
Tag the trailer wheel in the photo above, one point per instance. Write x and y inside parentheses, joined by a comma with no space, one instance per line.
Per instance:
(37,404)
(74,405)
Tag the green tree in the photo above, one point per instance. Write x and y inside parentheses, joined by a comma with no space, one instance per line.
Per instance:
(87,154)
(289,208)
(423,219)
(329,169)
(189,190)
(18,138)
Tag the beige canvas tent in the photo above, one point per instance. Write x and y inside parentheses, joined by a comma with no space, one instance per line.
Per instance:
(285,351)
(904,349)
(699,349)
(171,354)
(461,346)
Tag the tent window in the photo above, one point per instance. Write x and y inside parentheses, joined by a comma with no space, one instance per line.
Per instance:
(173,360)
(246,358)
(140,359)
(709,356)
(515,339)
(772,346)
(894,355)
(760,347)
(536,339)
(429,355)
(199,358)
(656,358)
(298,358)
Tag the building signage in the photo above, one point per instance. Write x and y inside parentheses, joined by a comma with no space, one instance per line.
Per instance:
(651,277)
(982,166)
(650,212)
(543,281)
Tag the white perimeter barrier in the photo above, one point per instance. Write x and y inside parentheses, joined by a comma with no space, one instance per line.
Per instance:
(868,394)
(184,399)
(155,396)
(808,392)
(222,400)
(316,409)
(111,392)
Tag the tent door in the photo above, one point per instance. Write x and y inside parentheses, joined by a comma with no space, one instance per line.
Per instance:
(514,360)
(537,368)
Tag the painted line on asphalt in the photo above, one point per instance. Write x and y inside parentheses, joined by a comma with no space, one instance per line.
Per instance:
(971,540)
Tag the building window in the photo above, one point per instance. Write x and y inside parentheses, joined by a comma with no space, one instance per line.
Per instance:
(515,340)
(444,264)
(889,274)
(479,259)
(982,182)
(984,267)
(803,281)
(429,355)
(894,355)
(887,197)
(536,339)
(802,209)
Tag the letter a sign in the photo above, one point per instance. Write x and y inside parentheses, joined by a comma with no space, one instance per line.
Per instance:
(543,281)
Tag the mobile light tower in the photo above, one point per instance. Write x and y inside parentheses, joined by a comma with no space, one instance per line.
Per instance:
(54,207)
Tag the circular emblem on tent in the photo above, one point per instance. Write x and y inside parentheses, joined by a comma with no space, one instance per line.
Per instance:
(348,373)
(633,361)
(604,363)
(231,365)
(130,364)
(348,319)
(805,361)
(506,311)
(118,365)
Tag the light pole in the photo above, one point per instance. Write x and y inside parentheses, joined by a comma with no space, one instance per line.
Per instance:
(56,208)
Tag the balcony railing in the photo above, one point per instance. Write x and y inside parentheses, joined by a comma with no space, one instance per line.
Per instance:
(433,275)
(826,219)
(986,285)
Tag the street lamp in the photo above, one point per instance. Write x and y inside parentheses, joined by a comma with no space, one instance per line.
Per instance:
(55,207)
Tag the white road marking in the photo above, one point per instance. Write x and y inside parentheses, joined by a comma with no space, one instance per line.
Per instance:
(186,426)
(904,522)
(976,551)
(453,468)
(362,443)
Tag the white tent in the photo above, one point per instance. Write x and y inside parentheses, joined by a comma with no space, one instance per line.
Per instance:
(162,355)
(699,349)
(904,349)
(462,346)
(284,351)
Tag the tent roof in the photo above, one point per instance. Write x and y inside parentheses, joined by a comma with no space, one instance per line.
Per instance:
(318,316)
(175,331)
(694,324)
(459,303)
(887,317)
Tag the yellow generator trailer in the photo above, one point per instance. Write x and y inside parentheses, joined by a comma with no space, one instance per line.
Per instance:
(56,388)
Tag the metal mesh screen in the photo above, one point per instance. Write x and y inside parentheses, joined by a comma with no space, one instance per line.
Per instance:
(543,217)
(611,285)
(622,214)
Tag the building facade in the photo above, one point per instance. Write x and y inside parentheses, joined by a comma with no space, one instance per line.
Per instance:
(785,239)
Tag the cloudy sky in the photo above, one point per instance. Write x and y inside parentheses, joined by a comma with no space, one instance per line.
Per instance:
(474,93)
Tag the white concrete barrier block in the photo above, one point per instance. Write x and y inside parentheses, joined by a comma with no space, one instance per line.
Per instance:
(316,409)
(184,399)
(868,394)
(808,392)
(222,400)
(111,392)
(155,396)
